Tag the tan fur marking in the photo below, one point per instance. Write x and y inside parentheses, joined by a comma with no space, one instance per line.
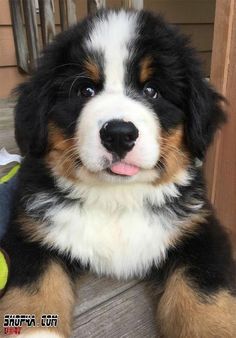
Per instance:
(146,69)
(30,227)
(188,228)
(53,295)
(61,156)
(183,314)
(173,155)
(93,70)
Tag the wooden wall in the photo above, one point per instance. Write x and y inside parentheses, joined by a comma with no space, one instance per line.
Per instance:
(194,17)
(221,160)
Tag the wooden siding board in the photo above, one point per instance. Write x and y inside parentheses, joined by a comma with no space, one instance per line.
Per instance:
(219,79)
(184,11)
(177,11)
(95,5)
(225,183)
(205,58)
(5,15)
(7,139)
(11,77)
(115,3)
(81,9)
(7,47)
(135,4)
(201,36)
(46,10)
(94,290)
(71,12)
(129,314)
(63,14)
(201,33)
(31,31)
(21,47)
(201,39)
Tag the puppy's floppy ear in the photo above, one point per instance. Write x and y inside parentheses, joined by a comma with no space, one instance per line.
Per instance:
(31,118)
(204,113)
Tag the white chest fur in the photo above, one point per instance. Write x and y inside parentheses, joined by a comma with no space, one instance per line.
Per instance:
(113,231)
(121,243)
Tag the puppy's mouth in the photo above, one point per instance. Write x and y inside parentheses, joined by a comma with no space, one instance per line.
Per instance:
(123,169)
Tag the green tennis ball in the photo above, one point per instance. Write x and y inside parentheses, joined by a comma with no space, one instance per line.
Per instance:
(4,271)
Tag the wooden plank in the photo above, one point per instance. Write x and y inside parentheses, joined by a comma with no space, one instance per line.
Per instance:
(94,290)
(71,12)
(201,35)
(80,4)
(21,48)
(63,14)
(183,11)
(126,3)
(55,10)
(7,47)
(135,4)
(11,77)
(5,15)
(7,104)
(81,9)
(201,38)
(46,10)
(205,58)
(114,4)
(204,14)
(219,79)
(31,31)
(7,138)
(223,160)
(129,314)
(95,5)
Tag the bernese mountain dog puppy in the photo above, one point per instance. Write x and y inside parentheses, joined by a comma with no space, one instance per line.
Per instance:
(113,124)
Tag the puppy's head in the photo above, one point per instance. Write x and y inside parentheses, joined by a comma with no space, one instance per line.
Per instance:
(119,97)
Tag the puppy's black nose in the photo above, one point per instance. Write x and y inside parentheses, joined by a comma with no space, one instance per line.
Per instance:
(118,136)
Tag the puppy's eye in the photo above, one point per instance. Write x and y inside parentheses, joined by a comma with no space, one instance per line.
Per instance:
(87,91)
(150,92)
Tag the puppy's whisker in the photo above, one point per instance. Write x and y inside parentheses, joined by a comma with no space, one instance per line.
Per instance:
(66,64)
(69,156)
(67,140)
(71,87)
(81,75)
(172,148)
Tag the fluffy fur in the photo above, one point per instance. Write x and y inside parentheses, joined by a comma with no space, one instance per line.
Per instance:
(73,212)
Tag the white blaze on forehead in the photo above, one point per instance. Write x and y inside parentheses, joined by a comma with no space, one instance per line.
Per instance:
(111,35)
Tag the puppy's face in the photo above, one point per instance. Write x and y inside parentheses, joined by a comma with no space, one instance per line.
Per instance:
(119,98)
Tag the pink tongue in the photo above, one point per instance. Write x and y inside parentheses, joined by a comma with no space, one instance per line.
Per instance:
(124,169)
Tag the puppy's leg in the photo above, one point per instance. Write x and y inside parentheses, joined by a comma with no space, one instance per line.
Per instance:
(52,293)
(186,312)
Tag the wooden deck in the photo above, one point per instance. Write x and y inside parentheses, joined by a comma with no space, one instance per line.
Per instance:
(105,308)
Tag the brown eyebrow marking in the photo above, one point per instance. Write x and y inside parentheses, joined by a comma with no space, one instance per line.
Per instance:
(92,69)
(146,69)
